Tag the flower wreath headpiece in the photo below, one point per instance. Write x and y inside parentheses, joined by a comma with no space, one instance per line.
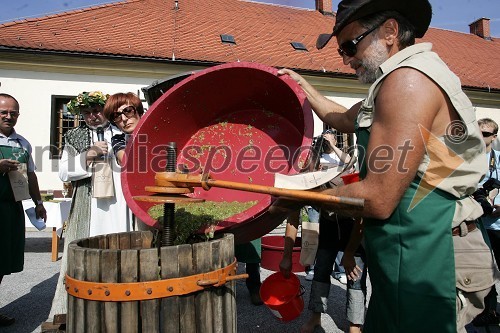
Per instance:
(86,100)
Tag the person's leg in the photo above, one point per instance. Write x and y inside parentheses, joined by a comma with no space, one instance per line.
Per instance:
(253,282)
(356,298)
(249,253)
(320,288)
(339,271)
(5,320)
(313,216)
(490,316)
(469,305)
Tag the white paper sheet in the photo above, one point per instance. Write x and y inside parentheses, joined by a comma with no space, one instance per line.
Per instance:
(306,180)
(38,223)
(310,180)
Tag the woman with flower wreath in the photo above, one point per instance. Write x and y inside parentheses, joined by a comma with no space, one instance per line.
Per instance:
(91,214)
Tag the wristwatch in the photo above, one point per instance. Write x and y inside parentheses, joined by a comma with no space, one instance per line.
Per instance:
(39,202)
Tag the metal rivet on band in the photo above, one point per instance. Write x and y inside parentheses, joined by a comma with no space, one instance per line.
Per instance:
(89,292)
(127,292)
(170,289)
(149,291)
(107,293)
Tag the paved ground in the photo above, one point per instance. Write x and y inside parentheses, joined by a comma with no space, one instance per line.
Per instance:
(27,296)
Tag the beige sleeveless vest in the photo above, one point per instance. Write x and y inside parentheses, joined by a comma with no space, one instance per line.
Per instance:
(468,165)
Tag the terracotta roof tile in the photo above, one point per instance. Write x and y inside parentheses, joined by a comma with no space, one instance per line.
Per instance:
(263,33)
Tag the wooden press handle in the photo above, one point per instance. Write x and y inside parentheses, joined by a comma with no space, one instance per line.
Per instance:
(287,193)
(183,180)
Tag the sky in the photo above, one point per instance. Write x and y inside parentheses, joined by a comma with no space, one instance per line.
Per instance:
(447,14)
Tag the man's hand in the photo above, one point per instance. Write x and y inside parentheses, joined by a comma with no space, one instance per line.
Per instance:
(331,139)
(286,266)
(99,149)
(496,211)
(296,77)
(352,270)
(41,213)
(7,165)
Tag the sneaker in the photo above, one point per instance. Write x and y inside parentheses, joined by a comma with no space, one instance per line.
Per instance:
(341,277)
(487,319)
(6,321)
(310,275)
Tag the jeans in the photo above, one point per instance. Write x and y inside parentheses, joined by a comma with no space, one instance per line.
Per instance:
(334,234)
(313,216)
(320,288)
(356,295)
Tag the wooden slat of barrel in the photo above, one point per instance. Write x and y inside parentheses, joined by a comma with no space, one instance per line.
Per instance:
(93,242)
(124,241)
(147,239)
(109,271)
(84,242)
(113,243)
(169,313)
(92,308)
(187,322)
(78,272)
(103,242)
(229,301)
(203,299)
(71,300)
(136,240)
(150,310)
(217,293)
(129,318)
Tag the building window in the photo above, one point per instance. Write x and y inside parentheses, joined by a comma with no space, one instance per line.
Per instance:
(61,122)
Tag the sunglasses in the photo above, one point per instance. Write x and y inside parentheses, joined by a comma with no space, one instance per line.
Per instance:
(13,114)
(129,111)
(349,47)
(487,134)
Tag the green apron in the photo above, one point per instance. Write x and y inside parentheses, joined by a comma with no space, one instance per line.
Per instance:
(248,252)
(411,264)
(12,222)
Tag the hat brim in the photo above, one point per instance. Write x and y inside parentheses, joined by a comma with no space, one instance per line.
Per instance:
(322,40)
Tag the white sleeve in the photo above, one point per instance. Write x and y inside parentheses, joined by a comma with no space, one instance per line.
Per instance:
(72,167)
(31,163)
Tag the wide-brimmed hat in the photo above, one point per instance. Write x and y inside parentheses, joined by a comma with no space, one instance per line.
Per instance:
(417,12)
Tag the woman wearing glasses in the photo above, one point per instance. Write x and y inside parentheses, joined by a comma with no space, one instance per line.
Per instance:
(123,110)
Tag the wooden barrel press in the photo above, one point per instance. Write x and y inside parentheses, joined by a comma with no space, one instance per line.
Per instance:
(122,283)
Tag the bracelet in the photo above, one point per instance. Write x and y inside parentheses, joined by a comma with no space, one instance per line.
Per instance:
(39,202)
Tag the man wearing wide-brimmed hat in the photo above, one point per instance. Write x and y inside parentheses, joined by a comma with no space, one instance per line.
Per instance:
(421,156)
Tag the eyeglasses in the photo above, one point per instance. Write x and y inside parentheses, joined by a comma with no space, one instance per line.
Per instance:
(5,113)
(487,134)
(129,111)
(349,47)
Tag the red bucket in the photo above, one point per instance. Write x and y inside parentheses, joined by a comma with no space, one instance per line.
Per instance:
(350,178)
(272,253)
(283,296)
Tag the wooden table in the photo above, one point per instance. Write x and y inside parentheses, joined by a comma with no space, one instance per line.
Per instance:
(57,214)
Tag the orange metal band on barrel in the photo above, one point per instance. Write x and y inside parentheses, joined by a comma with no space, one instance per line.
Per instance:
(140,291)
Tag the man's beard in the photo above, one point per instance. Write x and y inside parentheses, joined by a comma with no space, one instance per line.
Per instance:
(376,56)
(104,125)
